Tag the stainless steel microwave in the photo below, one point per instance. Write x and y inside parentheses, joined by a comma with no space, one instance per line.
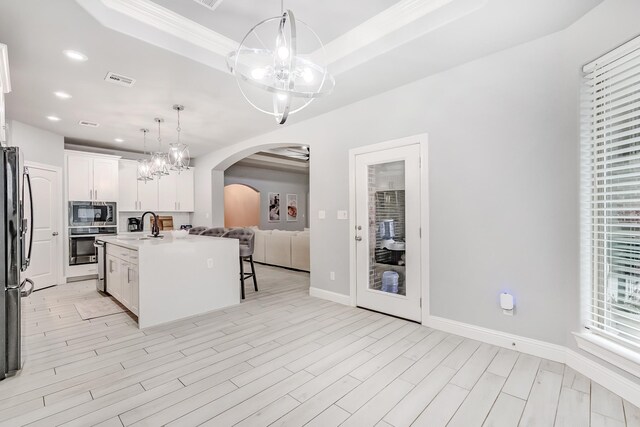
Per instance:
(92,214)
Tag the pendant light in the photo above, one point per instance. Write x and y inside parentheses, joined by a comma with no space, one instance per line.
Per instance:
(159,159)
(178,152)
(281,66)
(144,165)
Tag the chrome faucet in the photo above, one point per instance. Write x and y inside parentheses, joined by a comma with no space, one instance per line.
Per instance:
(155,230)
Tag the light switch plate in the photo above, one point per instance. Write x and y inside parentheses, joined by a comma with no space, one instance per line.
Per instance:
(322,214)
(343,215)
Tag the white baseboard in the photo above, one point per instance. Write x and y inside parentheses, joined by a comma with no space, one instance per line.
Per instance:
(607,378)
(502,339)
(331,296)
(604,376)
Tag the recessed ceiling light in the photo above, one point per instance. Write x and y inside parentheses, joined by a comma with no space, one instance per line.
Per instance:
(53,118)
(62,95)
(75,55)
(119,140)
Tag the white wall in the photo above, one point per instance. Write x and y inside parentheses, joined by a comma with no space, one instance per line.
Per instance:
(269,180)
(503,176)
(38,145)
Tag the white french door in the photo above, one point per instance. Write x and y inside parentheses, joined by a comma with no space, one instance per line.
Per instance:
(46,259)
(388,247)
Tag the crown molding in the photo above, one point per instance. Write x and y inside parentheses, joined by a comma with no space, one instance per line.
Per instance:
(5,78)
(188,38)
(398,24)
(402,23)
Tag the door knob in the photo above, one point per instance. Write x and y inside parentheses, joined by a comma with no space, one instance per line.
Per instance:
(55,233)
(358,239)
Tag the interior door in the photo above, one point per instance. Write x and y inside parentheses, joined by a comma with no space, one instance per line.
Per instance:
(388,276)
(45,255)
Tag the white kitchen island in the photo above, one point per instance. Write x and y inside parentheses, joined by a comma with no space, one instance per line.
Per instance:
(165,279)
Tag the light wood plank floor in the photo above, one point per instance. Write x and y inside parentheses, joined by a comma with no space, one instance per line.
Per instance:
(282,358)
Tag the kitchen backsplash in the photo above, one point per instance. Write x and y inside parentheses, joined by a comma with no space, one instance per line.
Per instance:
(179,218)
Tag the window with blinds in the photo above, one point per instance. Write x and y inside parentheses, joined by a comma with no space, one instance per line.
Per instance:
(611,192)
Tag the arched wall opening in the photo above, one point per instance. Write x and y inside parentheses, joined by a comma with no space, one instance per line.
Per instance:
(241,206)
(212,168)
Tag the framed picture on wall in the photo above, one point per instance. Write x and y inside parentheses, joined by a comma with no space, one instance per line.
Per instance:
(292,207)
(274,207)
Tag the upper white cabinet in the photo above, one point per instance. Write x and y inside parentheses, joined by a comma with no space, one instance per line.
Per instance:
(92,177)
(185,191)
(176,192)
(168,187)
(135,195)
(5,87)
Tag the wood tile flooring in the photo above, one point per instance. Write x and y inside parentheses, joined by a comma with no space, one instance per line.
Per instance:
(282,358)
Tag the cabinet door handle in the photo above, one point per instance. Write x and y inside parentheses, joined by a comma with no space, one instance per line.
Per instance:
(90,194)
(96,194)
(128,275)
(110,266)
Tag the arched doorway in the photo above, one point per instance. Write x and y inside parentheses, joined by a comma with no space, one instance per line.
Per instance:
(241,206)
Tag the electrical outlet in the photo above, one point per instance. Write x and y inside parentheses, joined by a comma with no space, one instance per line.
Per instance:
(332,275)
(322,214)
(210,263)
(343,215)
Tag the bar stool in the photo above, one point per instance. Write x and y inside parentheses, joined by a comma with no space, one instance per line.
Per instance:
(197,230)
(246,237)
(214,232)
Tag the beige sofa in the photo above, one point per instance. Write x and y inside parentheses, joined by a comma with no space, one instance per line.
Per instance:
(282,248)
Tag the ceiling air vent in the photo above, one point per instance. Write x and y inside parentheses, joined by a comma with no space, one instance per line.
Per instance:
(119,79)
(209,4)
(88,124)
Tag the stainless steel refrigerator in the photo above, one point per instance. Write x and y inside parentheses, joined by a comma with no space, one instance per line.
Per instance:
(15,250)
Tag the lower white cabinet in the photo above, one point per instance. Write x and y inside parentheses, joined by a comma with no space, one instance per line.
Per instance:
(122,276)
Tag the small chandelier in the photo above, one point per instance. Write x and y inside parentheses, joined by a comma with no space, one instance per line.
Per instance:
(145,165)
(159,159)
(178,152)
(280,66)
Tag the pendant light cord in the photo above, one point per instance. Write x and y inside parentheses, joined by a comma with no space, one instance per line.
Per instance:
(159,138)
(178,128)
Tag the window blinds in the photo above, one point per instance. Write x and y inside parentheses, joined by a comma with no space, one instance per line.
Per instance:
(611,162)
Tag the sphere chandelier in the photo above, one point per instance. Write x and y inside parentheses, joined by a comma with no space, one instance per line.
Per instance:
(144,165)
(178,152)
(281,66)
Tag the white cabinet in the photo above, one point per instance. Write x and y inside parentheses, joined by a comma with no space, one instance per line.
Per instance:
(185,191)
(168,188)
(122,276)
(91,177)
(128,184)
(105,179)
(148,196)
(80,177)
(114,277)
(135,195)
(177,192)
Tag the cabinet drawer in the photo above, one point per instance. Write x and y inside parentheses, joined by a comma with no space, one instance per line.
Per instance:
(124,254)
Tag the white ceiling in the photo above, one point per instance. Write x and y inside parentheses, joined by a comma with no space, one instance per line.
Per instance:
(216,115)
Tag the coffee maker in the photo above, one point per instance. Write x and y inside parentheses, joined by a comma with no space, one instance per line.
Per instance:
(133,224)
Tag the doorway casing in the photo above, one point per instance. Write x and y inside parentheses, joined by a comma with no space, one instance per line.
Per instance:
(422,141)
